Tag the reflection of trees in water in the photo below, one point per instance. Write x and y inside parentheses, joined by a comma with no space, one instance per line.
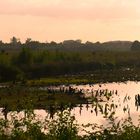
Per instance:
(94,99)
(5,111)
(98,102)
(52,109)
(102,103)
(94,102)
(94,105)
(98,108)
(62,89)
(137,100)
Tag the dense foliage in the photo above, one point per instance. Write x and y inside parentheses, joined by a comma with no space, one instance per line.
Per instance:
(64,127)
(35,64)
(34,60)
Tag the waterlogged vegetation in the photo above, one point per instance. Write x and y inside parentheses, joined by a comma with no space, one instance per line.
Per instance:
(60,80)
(65,127)
(17,98)
(20,121)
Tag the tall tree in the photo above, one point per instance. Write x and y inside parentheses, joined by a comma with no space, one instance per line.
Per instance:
(15,41)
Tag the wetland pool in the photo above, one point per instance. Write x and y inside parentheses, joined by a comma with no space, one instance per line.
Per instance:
(124,102)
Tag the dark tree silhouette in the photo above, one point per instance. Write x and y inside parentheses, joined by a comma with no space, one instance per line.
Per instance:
(135,46)
(15,41)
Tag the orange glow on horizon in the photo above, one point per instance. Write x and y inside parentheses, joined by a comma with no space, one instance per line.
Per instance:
(93,20)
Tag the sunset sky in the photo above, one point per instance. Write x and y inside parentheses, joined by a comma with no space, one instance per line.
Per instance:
(58,20)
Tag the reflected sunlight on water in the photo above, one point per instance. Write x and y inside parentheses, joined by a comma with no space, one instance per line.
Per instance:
(124,100)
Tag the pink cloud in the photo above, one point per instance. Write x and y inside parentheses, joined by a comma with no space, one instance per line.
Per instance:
(69,9)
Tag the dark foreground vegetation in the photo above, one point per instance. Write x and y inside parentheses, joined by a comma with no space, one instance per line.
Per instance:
(64,127)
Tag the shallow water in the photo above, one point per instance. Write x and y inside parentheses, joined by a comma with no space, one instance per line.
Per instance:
(124,102)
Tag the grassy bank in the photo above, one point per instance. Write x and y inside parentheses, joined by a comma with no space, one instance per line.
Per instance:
(101,76)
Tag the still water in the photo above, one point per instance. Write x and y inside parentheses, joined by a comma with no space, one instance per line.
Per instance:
(122,102)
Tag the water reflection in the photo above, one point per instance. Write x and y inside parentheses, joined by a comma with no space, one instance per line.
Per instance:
(137,101)
(103,100)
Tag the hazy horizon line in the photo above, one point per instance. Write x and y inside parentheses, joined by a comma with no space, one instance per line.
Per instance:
(41,41)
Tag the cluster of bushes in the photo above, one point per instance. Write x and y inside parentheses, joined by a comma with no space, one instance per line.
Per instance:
(64,127)
(29,64)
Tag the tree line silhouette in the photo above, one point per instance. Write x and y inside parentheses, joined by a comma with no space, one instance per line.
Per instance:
(34,60)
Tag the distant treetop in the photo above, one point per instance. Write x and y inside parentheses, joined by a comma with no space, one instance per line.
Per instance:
(135,46)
